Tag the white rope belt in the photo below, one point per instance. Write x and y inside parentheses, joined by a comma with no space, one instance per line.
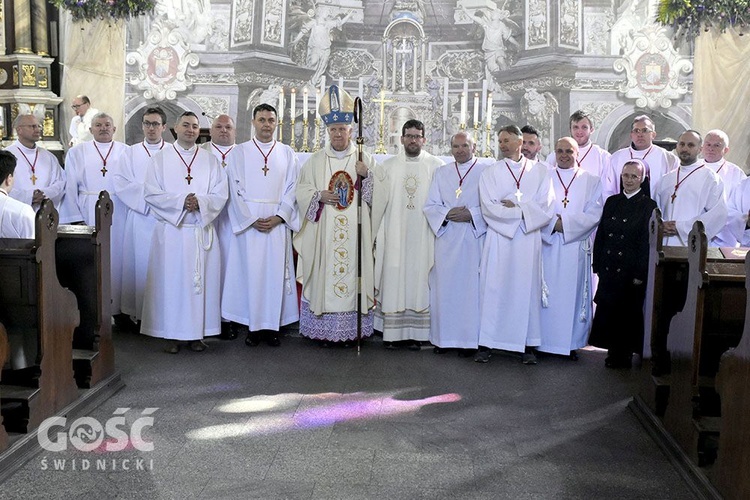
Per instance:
(201,244)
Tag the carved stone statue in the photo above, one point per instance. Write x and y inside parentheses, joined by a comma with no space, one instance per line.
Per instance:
(498,34)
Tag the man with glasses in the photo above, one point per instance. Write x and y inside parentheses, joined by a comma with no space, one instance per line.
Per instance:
(327,241)
(260,290)
(405,245)
(658,160)
(223,134)
(38,173)
(453,213)
(81,122)
(139,223)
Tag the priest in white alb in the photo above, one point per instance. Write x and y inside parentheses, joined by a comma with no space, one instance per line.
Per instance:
(690,193)
(455,217)
(738,222)
(591,157)
(327,242)
(658,160)
(139,224)
(517,201)
(404,245)
(223,134)
(186,188)
(260,290)
(566,253)
(715,146)
(16,217)
(38,173)
(90,168)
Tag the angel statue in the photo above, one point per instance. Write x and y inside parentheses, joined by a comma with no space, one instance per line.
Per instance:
(498,31)
(319,25)
(539,110)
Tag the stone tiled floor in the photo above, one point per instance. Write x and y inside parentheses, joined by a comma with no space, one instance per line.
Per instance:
(301,422)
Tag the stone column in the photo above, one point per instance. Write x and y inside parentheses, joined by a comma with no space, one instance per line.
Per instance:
(22,26)
(40,27)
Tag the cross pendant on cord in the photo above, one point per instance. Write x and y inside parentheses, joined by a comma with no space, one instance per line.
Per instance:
(565,202)
(674,195)
(189,178)
(104,170)
(33,178)
(458,192)
(223,163)
(518,195)
(265,169)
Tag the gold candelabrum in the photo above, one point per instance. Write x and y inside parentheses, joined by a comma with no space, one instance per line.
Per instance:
(305,148)
(476,132)
(462,126)
(316,141)
(281,130)
(487,142)
(293,139)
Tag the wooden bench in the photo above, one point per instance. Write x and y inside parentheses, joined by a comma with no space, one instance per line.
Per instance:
(32,302)
(83,266)
(710,322)
(732,474)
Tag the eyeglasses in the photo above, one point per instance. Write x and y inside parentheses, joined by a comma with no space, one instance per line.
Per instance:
(76,106)
(151,124)
(413,137)
(641,130)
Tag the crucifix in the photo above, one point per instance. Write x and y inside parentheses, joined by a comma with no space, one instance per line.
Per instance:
(403,52)
(189,178)
(518,195)
(104,170)
(381,142)
(33,178)
(565,202)
(265,169)
(458,192)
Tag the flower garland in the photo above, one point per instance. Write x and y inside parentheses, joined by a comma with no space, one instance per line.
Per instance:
(689,18)
(91,10)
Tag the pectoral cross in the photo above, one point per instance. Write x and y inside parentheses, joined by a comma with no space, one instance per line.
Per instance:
(104,170)
(189,178)
(458,192)
(33,178)
(518,195)
(223,163)
(674,195)
(565,202)
(265,169)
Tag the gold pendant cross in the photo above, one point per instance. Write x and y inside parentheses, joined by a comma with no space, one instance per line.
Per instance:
(565,202)
(33,178)
(458,192)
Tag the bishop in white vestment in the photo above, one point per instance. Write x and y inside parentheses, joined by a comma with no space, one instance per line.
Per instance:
(566,253)
(455,217)
(517,202)
(139,223)
(186,190)
(404,243)
(260,289)
(90,168)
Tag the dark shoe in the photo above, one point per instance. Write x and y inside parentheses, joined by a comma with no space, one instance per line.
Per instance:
(528,358)
(390,345)
(482,356)
(273,339)
(439,350)
(466,353)
(415,345)
(172,348)
(197,346)
(574,355)
(228,330)
(252,339)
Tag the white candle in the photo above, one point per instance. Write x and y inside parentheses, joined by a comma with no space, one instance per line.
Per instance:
(445,99)
(463,108)
(281,104)
(361,86)
(304,104)
(484,96)
(317,102)
(488,113)
(341,82)
(476,109)
(293,98)
(322,84)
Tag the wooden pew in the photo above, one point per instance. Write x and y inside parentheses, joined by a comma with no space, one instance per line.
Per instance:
(4,352)
(732,475)
(83,266)
(33,300)
(710,322)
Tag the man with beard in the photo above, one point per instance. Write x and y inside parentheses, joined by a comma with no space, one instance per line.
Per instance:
(532,144)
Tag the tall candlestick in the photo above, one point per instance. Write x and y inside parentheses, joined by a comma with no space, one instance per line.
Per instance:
(484,97)
(304,104)
(293,103)
(488,112)
(463,109)
(476,109)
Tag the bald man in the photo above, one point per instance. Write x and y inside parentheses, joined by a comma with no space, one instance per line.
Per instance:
(566,253)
